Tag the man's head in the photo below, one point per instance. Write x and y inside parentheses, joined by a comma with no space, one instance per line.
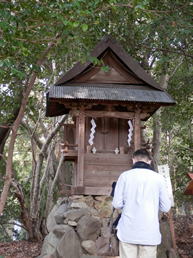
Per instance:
(141,155)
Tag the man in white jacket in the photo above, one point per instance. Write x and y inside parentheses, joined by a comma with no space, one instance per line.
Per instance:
(141,193)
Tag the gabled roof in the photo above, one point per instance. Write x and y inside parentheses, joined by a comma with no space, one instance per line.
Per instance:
(109,43)
(126,81)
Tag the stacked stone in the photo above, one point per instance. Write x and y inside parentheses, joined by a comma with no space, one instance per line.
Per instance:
(77,225)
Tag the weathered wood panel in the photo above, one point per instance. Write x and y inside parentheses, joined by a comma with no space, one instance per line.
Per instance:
(97,190)
(70,133)
(110,133)
(113,114)
(123,135)
(102,169)
(107,159)
(117,72)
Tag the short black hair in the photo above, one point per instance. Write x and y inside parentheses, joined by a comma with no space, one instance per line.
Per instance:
(142,153)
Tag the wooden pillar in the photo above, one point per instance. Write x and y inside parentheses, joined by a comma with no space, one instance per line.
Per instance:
(81,149)
(137,129)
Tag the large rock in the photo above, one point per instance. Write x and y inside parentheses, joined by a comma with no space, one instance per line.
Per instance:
(89,246)
(59,214)
(51,222)
(75,214)
(88,228)
(69,245)
(60,230)
(105,231)
(49,246)
(62,242)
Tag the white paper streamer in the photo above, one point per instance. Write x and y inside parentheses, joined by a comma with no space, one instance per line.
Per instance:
(130,133)
(92,132)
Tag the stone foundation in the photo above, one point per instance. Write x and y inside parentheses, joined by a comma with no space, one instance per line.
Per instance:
(78,227)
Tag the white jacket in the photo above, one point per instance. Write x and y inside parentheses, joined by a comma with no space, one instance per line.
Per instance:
(140,193)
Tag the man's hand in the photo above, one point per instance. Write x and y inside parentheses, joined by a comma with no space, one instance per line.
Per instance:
(165,216)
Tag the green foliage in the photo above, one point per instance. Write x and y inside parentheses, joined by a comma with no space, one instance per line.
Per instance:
(105,68)
(177,128)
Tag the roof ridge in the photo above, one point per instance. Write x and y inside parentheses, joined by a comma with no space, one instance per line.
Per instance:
(109,42)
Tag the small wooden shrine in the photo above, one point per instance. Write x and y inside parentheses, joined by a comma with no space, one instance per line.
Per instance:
(106,109)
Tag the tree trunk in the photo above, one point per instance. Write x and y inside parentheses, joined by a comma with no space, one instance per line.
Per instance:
(36,191)
(15,127)
(25,215)
(156,142)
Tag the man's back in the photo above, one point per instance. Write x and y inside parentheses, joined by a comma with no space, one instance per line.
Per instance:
(140,193)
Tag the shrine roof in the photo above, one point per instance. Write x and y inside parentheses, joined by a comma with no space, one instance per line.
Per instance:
(108,43)
(124,81)
(119,93)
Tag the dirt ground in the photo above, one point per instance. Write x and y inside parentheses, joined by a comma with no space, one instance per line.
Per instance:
(183,230)
(184,236)
(19,249)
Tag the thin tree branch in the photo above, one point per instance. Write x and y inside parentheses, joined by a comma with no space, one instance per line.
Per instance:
(50,193)
(152,62)
(32,134)
(46,169)
(57,173)
(168,50)
(5,126)
(189,149)
(176,68)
